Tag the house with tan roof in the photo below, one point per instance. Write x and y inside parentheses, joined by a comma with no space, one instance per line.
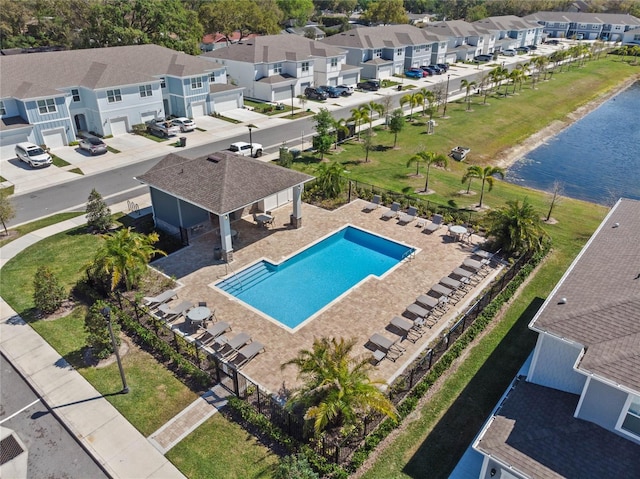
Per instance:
(614,27)
(49,98)
(577,411)
(274,68)
(510,31)
(388,50)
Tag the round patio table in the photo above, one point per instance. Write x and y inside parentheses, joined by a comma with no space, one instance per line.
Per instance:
(458,230)
(198,314)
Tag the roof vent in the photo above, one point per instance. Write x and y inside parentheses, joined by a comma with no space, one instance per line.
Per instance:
(562,301)
(213,159)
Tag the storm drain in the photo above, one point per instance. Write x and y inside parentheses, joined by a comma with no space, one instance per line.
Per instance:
(9,449)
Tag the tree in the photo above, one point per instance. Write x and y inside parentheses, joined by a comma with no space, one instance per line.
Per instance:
(98,213)
(322,144)
(324,123)
(428,158)
(48,293)
(367,144)
(387,104)
(329,179)
(295,467)
(358,116)
(124,256)
(556,191)
(386,12)
(486,174)
(298,10)
(396,124)
(98,336)
(428,98)
(337,390)
(516,229)
(7,210)
(468,86)
(339,126)
(414,99)
(374,107)
(471,173)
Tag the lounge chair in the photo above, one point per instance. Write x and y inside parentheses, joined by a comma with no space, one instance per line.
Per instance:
(474,265)
(169,314)
(212,332)
(374,203)
(418,311)
(392,212)
(246,354)
(155,301)
(409,216)
(230,347)
(436,223)
(389,347)
(459,287)
(444,294)
(407,328)
(433,306)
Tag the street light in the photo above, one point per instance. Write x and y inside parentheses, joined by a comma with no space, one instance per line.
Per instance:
(446,98)
(291,99)
(106,312)
(251,126)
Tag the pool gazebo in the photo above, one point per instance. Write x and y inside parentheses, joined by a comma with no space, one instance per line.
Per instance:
(192,196)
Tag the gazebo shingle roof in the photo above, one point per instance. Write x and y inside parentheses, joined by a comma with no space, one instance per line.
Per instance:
(221,182)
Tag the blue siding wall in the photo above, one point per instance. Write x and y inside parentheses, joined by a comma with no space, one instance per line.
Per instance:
(602,404)
(34,115)
(165,207)
(192,215)
(553,365)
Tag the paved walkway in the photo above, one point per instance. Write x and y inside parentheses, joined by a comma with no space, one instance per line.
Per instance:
(102,430)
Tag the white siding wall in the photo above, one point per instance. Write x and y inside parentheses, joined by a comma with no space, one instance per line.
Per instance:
(552,365)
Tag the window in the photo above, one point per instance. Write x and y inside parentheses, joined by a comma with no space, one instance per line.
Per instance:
(277,69)
(631,422)
(417,48)
(75,93)
(47,106)
(305,66)
(334,62)
(377,53)
(196,83)
(114,95)
(2,109)
(163,82)
(145,90)
(212,77)
(636,37)
(399,51)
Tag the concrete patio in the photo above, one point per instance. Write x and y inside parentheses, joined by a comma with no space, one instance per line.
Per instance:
(365,310)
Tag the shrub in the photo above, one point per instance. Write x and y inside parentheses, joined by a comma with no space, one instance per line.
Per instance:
(98,213)
(295,467)
(98,336)
(48,293)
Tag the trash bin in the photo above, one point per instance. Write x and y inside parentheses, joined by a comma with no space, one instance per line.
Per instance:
(399,87)
(183,141)
(217,253)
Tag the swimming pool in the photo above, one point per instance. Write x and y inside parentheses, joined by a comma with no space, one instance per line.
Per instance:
(298,288)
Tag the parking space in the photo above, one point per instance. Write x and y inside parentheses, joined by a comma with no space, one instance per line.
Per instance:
(243,114)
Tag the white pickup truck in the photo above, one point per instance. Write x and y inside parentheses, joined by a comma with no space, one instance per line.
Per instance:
(163,129)
(245,149)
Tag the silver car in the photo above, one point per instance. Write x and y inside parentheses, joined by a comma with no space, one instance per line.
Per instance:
(185,124)
(93,145)
(32,155)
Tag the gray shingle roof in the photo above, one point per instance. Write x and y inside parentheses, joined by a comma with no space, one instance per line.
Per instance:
(602,291)
(227,184)
(535,432)
(505,23)
(452,28)
(581,17)
(36,75)
(386,36)
(275,48)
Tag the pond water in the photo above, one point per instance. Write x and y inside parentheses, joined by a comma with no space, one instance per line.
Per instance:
(596,159)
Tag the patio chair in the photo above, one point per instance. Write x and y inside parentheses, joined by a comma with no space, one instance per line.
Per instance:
(407,328)
(391,212)
(418,310)
(202,304)
(433,306)
(169,314)
(389,347)
(374,204)
(212,332)
(436,222)
(156,301)
(231,346)
(246,354)
(409,216)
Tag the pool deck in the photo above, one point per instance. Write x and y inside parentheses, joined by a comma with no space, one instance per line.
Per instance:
(366,309)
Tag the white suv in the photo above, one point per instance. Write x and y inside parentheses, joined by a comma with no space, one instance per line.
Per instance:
(245,149)
(33,155)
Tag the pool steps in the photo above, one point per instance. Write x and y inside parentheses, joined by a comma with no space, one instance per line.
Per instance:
(246,279)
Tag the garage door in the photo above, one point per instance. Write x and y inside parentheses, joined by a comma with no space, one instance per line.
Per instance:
(197,109)
(145,117)
(9,140)
(54,138)
(118,126)
(385,72)
(281,94)
(226,103)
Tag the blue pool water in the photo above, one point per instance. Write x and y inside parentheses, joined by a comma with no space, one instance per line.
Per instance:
(297,288)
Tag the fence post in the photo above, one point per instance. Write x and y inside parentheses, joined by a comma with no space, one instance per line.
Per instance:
(349,198)
(259,404)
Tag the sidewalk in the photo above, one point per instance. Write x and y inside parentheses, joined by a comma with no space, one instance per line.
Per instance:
(115,444)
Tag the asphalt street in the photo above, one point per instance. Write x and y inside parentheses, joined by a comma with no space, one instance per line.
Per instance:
(52,451)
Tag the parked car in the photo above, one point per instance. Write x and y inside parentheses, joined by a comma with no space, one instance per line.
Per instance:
(532,47)
(483,58)
(185,124)
(32,154)
(332,92)
(163,129)
(246,149)
(315,94)
(345,90)
(553,41)
(369,85)
(443,66)
(427,70)
(522,50)
(509,52)
(414,73)
(438,70)
(93,145)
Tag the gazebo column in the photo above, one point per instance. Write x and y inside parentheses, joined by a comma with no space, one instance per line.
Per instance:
(225,239)
(296,217)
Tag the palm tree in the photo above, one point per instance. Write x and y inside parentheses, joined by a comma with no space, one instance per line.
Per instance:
(472,172)
(124,256)
(516,229)
(337,390)
(359,115)
(374,107)
(329,179)
(339,125)
(428,98)
(468,85)
(428,158)
(413,99)
(486,174)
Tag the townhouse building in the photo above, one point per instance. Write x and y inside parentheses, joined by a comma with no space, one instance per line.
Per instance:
(464,40)
(510,32)
(614,27)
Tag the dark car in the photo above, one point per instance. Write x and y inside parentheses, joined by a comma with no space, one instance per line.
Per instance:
(532,47)
(332,92)
(443,66)
(369,85)
(315,94)
(483,58)
(438,70)
(552,42)
(430,69)
(93,145)
(522,50)
(425,68)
